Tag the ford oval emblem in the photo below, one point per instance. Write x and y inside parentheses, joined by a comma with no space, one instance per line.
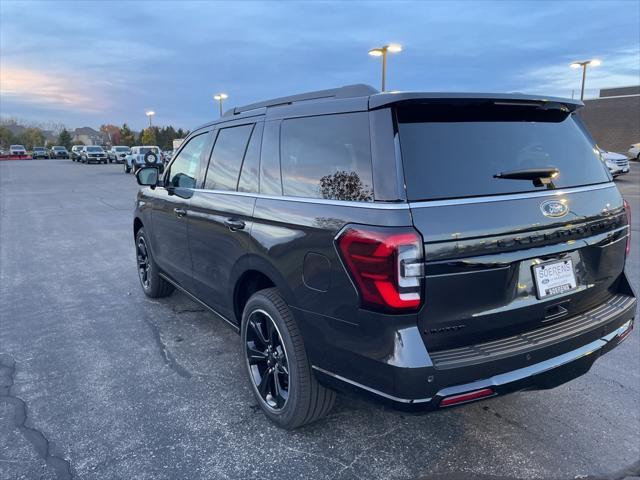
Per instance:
(554,208)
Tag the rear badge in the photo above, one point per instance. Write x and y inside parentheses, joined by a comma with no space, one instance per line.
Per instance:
(554,208)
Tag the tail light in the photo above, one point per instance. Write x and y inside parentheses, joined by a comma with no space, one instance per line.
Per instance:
(467,397)
(627,210)
(385,265)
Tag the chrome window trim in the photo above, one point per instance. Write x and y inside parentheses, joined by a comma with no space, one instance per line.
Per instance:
(507,197)
(420,204)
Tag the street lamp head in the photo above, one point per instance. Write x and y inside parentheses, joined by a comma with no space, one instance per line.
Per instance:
(595,62)
(149,113)
(376,52)
(576,65)
(220,96)
(394,48)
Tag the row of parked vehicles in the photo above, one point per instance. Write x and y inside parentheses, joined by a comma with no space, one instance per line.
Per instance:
(131,157)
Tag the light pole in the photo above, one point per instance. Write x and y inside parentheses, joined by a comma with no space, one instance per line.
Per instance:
(382,52)
(594,63)
(150,114)
(220,97)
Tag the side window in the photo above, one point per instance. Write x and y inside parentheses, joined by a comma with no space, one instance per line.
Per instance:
(270,182)
(249,173)
(182,172)
(327,157)
(226,158)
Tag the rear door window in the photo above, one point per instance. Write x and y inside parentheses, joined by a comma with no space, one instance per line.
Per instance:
(249,173)
(455,150)
(327,157)
(226,158)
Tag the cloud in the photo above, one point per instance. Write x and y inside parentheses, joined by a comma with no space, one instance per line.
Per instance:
(42,88)
(620,68)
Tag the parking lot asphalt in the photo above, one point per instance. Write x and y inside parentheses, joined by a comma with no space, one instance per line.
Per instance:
(97,381)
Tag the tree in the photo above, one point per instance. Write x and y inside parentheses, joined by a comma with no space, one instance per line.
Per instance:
(6,136)
(64,139)
(32,137)
(344,185)
(111,132)
(148,136)
(127,137)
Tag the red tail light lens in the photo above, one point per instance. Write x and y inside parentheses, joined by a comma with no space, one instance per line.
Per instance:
(627,210)
(385,264)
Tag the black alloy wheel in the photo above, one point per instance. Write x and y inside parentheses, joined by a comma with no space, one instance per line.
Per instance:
(267,360)
(144,267)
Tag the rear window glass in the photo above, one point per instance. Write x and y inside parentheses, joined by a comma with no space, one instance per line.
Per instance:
(226,159)
(454,150)
(327,157)
(148,149)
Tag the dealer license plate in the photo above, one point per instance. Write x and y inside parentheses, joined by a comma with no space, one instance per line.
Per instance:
(554,278)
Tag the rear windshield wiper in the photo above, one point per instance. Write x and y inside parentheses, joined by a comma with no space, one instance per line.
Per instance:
(539,176)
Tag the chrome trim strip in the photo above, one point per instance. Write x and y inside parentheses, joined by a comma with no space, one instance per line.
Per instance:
(235,327)
(504,198)
(369,389)
(419,204)
(322,201)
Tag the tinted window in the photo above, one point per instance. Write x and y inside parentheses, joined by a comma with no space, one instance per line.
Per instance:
(270,182)
(249,173)
(327,157)
(184,168)
(147,149)
(455,150)
(226,158)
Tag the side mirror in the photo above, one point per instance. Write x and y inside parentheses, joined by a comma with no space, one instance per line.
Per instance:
(147,176)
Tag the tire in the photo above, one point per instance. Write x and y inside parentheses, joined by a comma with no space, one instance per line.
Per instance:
(306,400)
(127,168)
(153,285)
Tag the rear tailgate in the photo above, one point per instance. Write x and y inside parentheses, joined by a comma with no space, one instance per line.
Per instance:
(480,285)
(485,236)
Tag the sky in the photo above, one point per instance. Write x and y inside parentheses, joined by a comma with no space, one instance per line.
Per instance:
(89,63)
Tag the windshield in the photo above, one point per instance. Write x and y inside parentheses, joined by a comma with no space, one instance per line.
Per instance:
(17,147)
(94,149)
(122,149)
(59,148)
(452,151)
(38,149)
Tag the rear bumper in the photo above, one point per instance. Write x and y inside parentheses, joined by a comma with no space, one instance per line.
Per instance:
(554,356)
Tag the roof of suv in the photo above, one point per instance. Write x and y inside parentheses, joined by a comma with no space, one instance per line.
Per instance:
(365,97)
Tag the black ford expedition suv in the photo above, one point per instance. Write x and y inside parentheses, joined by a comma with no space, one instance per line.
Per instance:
(426,249)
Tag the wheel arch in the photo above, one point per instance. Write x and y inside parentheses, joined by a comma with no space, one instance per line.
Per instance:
(251,275)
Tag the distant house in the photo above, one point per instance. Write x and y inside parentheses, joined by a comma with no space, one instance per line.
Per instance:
(88,136)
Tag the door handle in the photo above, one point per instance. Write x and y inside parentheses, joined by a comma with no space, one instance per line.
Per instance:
(180,212)
(233,224)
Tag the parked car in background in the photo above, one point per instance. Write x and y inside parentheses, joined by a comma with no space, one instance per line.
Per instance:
(634,151)
(349,255)
(17,150)
(143,155)
(59,152)
(617,163)
(118,154)
(93,153)
(39,152)
(76,150)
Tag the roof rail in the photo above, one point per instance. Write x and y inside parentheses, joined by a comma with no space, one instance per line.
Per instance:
(348,91)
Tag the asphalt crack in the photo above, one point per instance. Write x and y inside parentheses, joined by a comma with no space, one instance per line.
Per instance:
(165,353)
(60,466)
